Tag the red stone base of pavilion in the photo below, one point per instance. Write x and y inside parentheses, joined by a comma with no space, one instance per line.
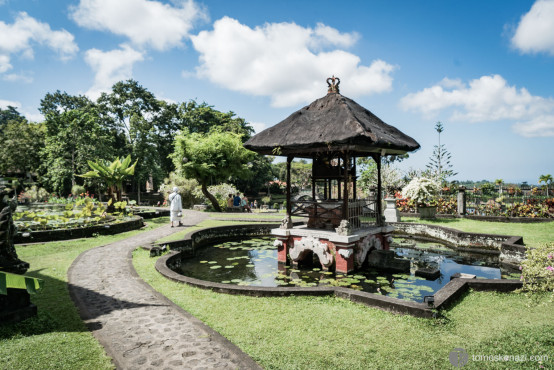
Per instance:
(343,253)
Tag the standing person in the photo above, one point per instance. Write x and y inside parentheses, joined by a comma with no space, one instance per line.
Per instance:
(244,204)
(255,204)
(176,208)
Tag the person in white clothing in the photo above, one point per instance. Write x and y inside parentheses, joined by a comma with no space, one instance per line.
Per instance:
(175,207)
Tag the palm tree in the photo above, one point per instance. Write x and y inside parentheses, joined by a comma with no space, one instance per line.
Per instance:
(112,174)
(547,179)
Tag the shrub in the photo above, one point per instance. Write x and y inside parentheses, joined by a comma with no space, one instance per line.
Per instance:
(188,189)
(537,270)
(35,194)
(266,200)
(422,191)
(275,205)
(220,192)
(77,190)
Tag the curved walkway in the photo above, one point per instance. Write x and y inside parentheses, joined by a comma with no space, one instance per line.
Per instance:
(138,327)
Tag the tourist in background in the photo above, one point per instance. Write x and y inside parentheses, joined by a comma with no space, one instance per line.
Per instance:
(175,207)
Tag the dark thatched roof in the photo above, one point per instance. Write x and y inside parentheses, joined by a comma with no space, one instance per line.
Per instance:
(332,123)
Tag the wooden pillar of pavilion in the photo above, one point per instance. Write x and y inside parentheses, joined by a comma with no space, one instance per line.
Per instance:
(378,204)
(289,205)
(345,195)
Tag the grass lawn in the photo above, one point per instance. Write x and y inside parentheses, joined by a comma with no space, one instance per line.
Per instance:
(533,234)
(332,333)
(206,223)
(56,338)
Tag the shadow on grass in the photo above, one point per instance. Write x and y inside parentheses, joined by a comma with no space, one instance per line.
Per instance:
(58,313)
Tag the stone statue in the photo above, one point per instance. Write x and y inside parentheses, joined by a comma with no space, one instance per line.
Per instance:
(9,262)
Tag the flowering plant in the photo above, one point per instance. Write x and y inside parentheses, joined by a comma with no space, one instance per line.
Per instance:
(422,191)
(537,271)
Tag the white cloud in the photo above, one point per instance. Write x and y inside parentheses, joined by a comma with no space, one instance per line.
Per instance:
(537,127)
(20,36)
(144,22)
(4,104)
(110,67)
(258,126)
(535,31)
(14,77)
(278,60)
(488,98)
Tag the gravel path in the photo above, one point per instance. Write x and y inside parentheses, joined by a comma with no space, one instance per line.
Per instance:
(138,327)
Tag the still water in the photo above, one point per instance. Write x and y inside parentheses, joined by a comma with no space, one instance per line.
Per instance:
(253,262)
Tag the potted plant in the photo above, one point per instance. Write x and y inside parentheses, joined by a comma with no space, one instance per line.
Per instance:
(423,192)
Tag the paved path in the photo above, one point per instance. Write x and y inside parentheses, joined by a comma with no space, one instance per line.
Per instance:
(138,327)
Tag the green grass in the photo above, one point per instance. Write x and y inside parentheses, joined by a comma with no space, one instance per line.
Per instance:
(533,234)
(332,333)
(56,338)
(206,223)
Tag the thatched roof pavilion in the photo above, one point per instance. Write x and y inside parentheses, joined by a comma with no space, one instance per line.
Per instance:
(333,131)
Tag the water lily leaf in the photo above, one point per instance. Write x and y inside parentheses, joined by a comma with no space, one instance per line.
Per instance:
(215,267)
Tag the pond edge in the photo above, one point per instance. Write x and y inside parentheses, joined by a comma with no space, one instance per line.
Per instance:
(442,298)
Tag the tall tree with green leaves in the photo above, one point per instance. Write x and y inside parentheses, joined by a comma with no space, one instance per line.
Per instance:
(202,118)
(9,114)
(74,134)
(439,163)
(133,110)
(211,158)
(547,179)
(21,143)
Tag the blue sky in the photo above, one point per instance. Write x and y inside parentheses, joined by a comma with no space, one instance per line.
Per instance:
(483,68)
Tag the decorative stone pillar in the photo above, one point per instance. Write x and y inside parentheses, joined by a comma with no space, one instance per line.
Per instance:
(461,200)
(391,213)
(344,258)
(282,243)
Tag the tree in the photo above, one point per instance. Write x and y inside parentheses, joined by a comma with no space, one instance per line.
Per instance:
(22,143)
(300,172)
(112,174)
(213,157)
(74,134)
(547,179)
(439,162)
(201,118)
(10,114)
(134,112)
(391,177)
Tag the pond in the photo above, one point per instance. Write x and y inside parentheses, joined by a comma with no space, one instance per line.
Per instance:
(253,262)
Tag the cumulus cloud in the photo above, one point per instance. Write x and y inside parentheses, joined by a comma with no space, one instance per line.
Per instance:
(144,22)
(20,37)
(284,61)
(535,31)
(488,98)
(4,104)
(110,67)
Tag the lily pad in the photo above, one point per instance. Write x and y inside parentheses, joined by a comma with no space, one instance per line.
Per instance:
(215,267)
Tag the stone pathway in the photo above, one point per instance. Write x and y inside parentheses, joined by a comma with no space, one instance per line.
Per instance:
(138,327)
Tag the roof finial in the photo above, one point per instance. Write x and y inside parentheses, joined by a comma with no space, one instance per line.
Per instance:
(333,87)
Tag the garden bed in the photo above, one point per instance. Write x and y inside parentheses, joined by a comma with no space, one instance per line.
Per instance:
(135,222)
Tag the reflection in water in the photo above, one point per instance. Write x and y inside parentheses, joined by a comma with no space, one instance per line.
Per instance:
(253,262)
